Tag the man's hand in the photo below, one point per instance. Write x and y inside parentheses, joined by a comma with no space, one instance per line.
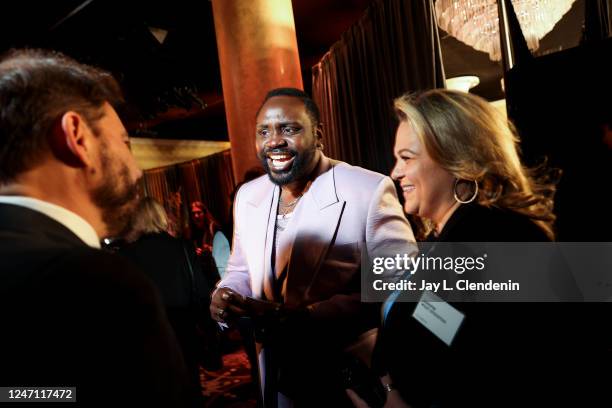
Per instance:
(259,309)
(225,303)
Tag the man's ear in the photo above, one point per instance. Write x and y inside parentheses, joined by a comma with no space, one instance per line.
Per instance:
(70,140)
(319,135)
(319,131)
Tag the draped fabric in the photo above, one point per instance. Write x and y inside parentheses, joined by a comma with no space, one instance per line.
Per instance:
(598,20)
(209,179)
(392,49)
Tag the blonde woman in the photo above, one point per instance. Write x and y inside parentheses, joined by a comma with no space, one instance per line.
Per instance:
(458,165)
(457,161)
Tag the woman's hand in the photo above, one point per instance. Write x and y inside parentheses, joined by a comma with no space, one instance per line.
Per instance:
(395,400)
(357,402)
(204,248)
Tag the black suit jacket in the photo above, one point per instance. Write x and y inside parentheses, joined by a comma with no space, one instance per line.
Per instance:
(504,354)
(76,316)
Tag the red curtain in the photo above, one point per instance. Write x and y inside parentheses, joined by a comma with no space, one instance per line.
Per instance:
(393,49)
(209,179)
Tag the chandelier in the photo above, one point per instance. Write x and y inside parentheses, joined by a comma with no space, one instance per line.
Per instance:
(475,22)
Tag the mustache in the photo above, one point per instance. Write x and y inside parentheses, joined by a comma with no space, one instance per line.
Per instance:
(280,150)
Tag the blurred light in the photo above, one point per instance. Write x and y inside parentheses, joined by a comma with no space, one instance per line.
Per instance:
(462,83)
(159,33)
(475,22)
(278,15)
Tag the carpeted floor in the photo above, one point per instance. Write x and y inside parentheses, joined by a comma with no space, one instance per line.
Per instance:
(230,387)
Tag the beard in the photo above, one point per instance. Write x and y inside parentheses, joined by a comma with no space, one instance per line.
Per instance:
(117,196)
(298,170)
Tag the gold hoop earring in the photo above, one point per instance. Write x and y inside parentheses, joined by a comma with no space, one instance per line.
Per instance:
(471,198)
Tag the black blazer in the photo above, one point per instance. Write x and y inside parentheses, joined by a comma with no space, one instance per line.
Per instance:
(77,316)
(504,354)
(475,223)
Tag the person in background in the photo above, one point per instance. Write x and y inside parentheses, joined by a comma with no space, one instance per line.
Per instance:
(172,266)
(212,247)
(75,316)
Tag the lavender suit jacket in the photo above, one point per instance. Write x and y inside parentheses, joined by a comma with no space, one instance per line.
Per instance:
(346,210)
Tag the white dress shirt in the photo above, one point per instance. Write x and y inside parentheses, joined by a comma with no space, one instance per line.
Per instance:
(67,218)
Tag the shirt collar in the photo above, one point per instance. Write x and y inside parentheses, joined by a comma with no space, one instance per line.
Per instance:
(67,218)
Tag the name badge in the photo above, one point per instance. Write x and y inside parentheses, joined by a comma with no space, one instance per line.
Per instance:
(438,317)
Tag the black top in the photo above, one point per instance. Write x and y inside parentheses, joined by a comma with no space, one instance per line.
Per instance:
(163,259)
(77,316)
(518,352)
(475,223)
(167,261)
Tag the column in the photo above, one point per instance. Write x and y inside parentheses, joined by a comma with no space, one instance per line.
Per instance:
(257,52)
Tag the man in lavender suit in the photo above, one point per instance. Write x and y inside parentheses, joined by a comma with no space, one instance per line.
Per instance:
(299,235)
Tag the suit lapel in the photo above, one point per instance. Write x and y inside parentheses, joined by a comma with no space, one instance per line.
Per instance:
(267,276)
(317,225)
(260,235)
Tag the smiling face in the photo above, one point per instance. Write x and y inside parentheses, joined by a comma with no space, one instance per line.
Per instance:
(426,186)
(286,140)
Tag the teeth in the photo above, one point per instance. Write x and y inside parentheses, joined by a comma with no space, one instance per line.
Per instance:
(280,163)
(408,188)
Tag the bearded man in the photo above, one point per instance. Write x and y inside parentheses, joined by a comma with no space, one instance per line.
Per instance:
(299,235)
(73,315)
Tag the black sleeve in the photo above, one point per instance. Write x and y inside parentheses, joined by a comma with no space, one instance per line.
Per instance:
(208,329)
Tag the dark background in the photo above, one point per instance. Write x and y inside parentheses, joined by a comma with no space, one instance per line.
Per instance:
(174,88)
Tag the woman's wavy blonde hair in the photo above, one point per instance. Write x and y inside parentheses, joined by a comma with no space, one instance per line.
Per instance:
(149,218)
(472,140)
